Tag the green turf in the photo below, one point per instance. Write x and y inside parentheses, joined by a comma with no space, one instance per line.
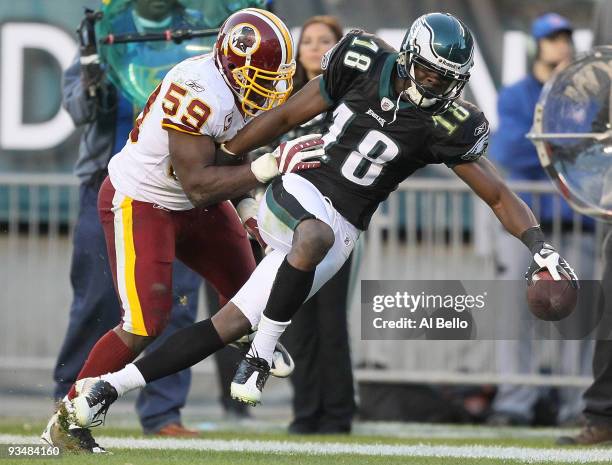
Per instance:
(141,457)
(184,457)
(539,442)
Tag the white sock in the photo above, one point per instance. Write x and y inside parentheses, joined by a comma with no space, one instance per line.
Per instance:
(268,333)
(125,380)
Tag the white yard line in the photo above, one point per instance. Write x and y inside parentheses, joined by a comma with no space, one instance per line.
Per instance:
(433,431)
(404,430)
(397,430)
(527,455)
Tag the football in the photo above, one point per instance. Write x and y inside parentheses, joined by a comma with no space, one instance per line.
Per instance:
(551,300)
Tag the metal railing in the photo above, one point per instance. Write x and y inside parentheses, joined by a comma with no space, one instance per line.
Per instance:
(37,215)
(430,229)
(447,233)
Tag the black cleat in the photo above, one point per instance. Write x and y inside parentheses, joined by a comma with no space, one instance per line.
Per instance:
(282,362)
(249,380)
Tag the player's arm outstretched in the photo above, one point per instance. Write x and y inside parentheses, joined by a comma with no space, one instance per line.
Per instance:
(316,97)
(206,183)
(301,107)
(515,216)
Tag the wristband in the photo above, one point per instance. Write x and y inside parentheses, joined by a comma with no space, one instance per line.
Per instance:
(224,157)
(533,238)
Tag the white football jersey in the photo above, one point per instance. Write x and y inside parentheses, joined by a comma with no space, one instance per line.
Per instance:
(192,98)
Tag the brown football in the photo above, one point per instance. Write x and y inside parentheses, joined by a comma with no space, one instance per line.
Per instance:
(551,300)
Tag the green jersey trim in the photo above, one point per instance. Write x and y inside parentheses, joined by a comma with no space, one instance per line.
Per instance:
(384,89)
(324,93)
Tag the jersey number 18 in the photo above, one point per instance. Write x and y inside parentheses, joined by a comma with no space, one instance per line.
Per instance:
(363,165)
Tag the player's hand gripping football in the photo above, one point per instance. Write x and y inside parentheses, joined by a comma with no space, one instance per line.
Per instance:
(547,258)
(303,153)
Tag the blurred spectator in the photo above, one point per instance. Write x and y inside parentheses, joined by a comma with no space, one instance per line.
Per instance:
(317,338)
(318,35)
(598,397)
(517,156)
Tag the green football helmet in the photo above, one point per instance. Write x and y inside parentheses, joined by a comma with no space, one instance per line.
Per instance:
(437,42)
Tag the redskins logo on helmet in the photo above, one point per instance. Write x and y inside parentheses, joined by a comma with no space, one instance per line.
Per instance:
(254,53)
(244,39)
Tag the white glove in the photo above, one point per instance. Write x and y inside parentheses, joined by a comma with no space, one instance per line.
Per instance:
(547,258)
(303,153)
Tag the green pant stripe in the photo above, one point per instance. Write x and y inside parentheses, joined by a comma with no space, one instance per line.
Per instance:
(285,206)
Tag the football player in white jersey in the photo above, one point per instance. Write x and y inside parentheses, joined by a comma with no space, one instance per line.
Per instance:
(164,198)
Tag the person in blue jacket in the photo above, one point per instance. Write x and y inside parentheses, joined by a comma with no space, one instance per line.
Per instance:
(510,147)
(514,153)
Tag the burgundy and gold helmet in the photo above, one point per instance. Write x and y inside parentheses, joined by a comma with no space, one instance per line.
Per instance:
(254,53)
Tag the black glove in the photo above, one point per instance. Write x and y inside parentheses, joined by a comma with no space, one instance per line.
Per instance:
(91,71)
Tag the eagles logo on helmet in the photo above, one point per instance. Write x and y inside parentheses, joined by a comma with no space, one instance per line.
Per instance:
(254,53)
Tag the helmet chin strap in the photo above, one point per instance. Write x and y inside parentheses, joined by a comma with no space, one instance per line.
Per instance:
(397,101)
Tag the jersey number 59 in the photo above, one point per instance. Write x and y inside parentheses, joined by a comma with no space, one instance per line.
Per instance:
(192,119)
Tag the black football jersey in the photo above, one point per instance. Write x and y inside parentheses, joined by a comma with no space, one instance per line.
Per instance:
(375,141)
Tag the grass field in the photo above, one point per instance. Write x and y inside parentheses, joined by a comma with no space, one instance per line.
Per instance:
(372,443)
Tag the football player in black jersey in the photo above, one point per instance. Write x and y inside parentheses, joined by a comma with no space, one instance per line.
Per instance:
(393,112)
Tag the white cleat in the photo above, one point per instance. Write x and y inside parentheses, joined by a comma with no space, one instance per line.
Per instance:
(282,362)
(45,437)
(94,397)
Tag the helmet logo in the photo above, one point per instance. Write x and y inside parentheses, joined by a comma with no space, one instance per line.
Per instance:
(244,39)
